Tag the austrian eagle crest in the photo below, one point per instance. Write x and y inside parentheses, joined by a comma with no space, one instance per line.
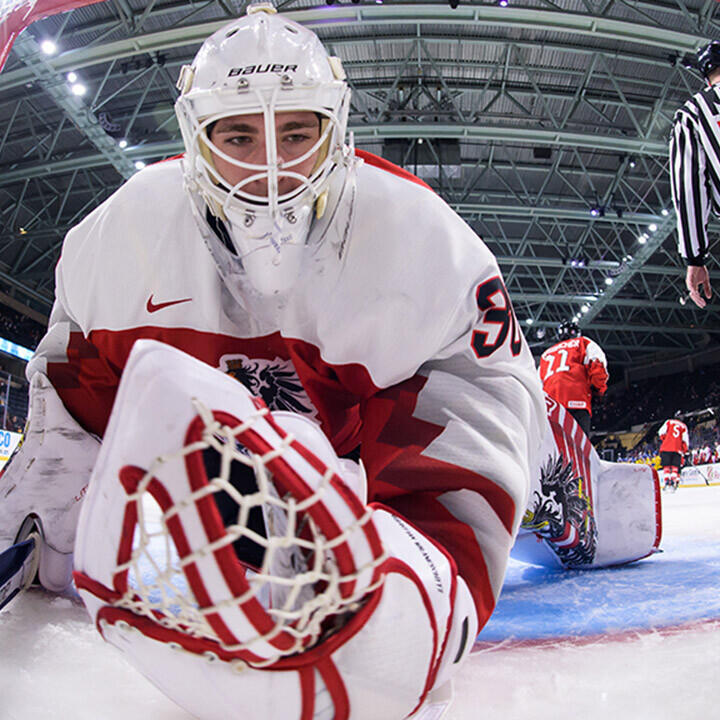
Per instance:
(275,381)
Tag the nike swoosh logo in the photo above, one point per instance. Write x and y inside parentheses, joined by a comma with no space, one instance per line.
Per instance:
(153,307)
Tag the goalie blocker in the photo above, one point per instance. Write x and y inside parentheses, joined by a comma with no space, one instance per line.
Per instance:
(263,587)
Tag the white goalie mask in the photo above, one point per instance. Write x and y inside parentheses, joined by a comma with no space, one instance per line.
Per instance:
(262,66)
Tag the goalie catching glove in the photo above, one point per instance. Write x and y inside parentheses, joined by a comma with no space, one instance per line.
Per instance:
(222,549)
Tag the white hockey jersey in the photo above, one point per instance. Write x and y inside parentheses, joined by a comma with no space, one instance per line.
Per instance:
(400,337)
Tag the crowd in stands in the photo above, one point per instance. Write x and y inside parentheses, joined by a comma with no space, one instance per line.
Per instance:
(704,448)
(13,403)
(20,329)
(24,331)
(657,399)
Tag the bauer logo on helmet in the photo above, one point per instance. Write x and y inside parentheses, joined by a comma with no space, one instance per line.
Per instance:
(264,68)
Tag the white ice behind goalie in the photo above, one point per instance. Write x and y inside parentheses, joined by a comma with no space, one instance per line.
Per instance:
(304,603)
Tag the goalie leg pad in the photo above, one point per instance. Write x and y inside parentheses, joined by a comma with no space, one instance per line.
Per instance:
(587,512)
(45,481)
(354,614)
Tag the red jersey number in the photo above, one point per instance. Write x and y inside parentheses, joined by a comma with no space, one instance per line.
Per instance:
(497,322)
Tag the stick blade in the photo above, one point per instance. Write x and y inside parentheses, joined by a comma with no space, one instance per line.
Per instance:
(18,565)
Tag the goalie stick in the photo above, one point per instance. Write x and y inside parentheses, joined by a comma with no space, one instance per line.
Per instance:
(18,566)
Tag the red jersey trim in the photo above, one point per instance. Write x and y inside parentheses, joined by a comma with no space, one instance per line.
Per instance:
(382,164)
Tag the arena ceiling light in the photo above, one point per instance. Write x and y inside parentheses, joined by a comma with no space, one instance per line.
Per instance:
(575,262)
(48,47)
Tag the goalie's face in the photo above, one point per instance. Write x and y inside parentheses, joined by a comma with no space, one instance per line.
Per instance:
(263,113)
(242,142)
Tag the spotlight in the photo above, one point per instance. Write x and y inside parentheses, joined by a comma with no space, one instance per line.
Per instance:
(652,227)
(642,239)
(528,321)
(420,141)
(78,89)
(584,309)
(540,333)
(139,164)
(664,212)
(48,47)
(71,77)
(503,3)
(608,281)
(632,162)
(123,143)
(594,211)
(597,211)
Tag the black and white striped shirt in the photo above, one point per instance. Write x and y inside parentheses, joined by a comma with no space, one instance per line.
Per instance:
(695,171)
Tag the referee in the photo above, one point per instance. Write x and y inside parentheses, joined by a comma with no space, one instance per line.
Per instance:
(695,172)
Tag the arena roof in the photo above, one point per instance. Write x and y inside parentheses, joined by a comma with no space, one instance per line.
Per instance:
(558,108)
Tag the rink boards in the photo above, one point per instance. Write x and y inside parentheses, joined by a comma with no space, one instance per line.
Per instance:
(700,475)
(8,442)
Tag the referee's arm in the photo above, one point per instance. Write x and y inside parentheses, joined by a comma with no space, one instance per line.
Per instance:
(692,203)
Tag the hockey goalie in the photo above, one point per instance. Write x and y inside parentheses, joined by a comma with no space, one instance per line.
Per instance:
(228,327)
(225,548)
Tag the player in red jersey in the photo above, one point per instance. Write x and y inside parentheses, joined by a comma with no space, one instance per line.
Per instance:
(571,369)
(675,443)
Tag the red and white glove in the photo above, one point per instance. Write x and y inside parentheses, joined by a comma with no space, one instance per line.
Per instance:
(349,614)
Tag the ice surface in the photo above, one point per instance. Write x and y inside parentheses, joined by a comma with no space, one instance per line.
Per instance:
(53,664)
